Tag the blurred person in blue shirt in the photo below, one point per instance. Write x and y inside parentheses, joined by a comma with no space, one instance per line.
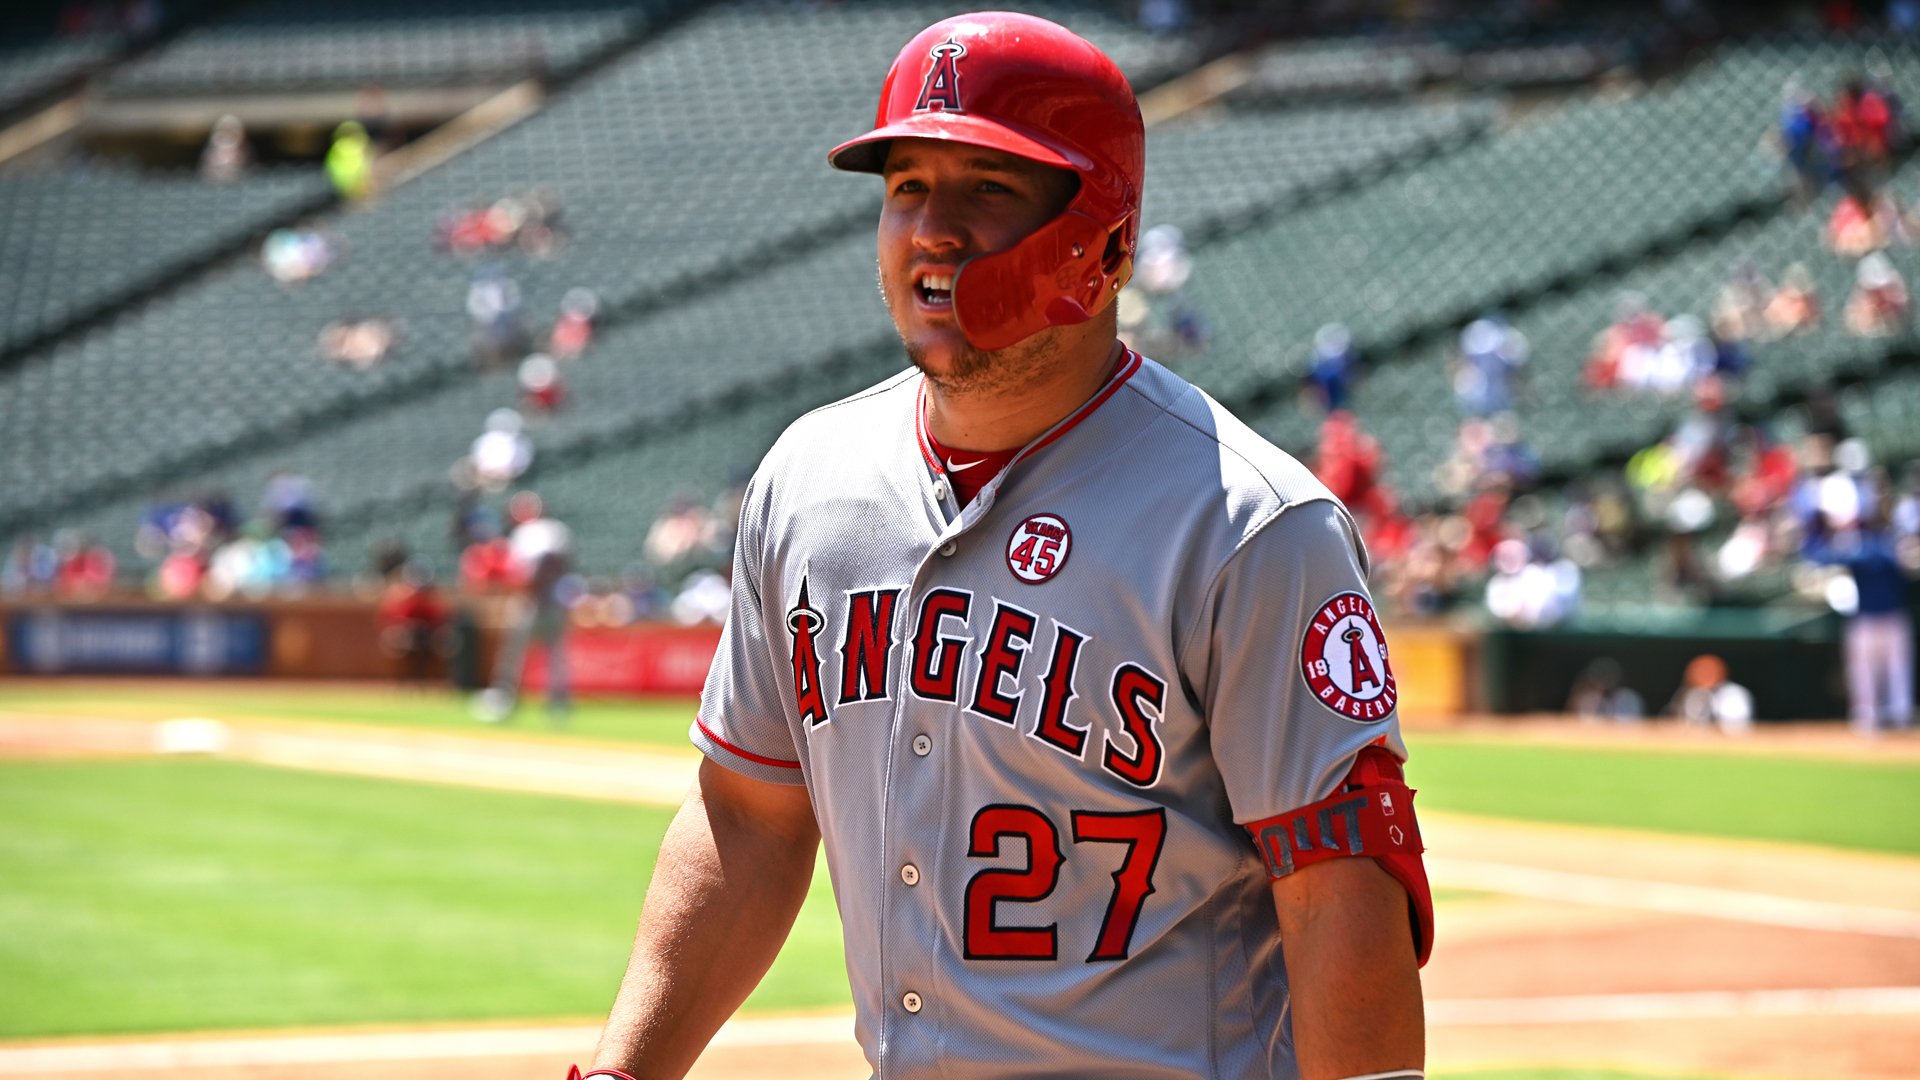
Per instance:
(1872,593)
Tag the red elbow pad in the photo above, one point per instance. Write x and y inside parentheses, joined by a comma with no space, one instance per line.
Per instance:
(1372,815)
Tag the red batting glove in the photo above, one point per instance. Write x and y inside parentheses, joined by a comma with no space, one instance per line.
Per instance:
(575,1074)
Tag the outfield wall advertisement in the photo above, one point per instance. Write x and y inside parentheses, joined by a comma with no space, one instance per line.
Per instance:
(153,641)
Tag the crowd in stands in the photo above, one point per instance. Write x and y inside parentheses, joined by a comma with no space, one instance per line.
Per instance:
(197,548)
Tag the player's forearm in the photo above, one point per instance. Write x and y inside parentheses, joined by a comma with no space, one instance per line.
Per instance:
(1354,983)
(723,898)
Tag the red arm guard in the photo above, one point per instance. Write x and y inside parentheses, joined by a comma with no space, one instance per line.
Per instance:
(1371,814)
(574,1074)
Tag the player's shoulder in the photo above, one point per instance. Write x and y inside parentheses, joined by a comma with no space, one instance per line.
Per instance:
(1198,430)
(852,423)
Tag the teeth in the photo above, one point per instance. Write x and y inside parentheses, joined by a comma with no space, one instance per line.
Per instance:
(937,282)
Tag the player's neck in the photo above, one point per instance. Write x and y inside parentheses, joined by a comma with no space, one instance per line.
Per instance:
(1004,417)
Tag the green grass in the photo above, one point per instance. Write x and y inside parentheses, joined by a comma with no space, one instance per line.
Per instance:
(1864,805)
(182,895)
(660,722)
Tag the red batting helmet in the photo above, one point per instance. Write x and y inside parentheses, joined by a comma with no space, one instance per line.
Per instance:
(1031,88)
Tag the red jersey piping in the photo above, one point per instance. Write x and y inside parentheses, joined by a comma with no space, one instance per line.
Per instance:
(757,759)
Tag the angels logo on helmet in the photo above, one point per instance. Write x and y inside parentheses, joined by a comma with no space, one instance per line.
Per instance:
(941,90)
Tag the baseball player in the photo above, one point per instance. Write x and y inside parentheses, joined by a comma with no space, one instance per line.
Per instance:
(1074,675)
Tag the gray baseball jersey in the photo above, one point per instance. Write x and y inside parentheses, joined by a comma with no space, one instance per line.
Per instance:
(1033,727)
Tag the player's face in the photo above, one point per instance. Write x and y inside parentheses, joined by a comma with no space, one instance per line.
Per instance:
(946,203)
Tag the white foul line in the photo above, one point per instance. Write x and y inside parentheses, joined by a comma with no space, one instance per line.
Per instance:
(1674,899)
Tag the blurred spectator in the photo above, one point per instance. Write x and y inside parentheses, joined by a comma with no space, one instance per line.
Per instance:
(1707,698)
(502,452)
(1880,305)
(573,330)
(1726,344)
(1703,442)
(1492,353)
(84,569)
(1872,593)
(1862,222)
(412,621)
(529,224)
(306,560)
(1425,580)
(227,154)
(1905,516)
(1683,354)
(1489,454)
(359,343)
(541,388)
(1862,132)
(1601,693)
(350,161)
(1766,471)
(542,557)
(1803,141)
(1158,317)
(1532,587)
(685,533)
(1746,549)
(1634,329)
(296,256)
(703,599)
(1795,306)
(30,567)
(249,565)
(1349,462)
(1331,370)
(180,573)
(1740,311)
(486,564)
(493,307)
(290,502)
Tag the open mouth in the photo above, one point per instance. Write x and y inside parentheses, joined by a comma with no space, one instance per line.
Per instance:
(934,289)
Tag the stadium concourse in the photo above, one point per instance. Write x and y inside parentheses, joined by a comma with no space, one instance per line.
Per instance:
(1587,312)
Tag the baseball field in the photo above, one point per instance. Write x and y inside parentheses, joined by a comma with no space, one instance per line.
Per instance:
(243,880)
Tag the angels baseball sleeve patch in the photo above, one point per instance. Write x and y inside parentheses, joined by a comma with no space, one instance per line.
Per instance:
(1344,660)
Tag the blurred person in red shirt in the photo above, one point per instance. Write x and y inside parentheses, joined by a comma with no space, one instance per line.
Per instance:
(541,388)
(573,330)
(486,566)
(85,570)
(1348,461)
(1862,130)
(412,620)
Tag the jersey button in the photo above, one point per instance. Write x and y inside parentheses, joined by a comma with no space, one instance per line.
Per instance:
(910,1001)
(922,745)
(939,489)
(947,549)
(910,874)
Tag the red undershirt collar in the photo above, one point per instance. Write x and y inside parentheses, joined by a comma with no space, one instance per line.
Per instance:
(971,470)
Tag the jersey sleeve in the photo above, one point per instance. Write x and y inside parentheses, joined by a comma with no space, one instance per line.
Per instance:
(1291,664)
(742,723)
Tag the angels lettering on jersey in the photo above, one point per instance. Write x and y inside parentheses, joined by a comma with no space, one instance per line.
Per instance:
(1021,656)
